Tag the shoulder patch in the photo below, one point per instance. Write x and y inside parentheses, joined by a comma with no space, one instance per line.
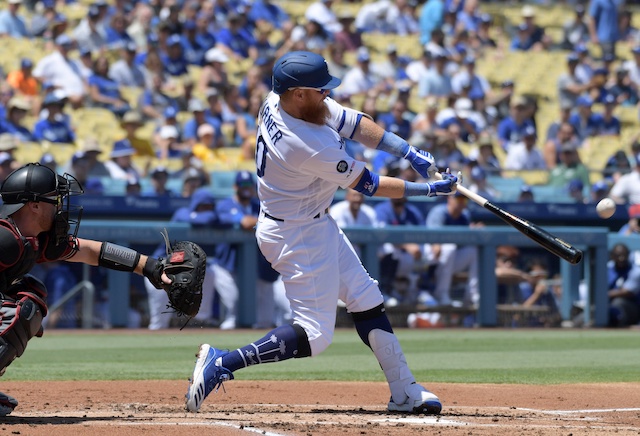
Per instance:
(342,166)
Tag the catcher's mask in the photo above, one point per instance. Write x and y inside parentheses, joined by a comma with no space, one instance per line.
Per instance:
(35,182)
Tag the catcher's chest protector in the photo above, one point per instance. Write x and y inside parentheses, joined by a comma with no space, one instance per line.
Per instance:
(19,254)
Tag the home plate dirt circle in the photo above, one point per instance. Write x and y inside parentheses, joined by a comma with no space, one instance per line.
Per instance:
(317,408)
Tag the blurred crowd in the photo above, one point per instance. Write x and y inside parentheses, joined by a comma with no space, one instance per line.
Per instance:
(183,81)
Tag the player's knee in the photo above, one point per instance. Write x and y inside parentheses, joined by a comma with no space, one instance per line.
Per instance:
(22,320)
(35,286)
(321,343)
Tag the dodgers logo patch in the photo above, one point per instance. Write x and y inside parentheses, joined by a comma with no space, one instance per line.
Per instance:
(342,166)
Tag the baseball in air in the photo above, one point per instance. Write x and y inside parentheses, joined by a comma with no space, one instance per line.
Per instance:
(606,208)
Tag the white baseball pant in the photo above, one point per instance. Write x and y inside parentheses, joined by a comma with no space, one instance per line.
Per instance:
(318,265)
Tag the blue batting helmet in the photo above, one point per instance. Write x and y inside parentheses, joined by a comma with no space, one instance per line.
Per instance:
(302,69)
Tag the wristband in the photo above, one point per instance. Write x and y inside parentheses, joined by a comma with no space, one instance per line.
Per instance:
(412,189)
(393,144)
(368,184)
(117,257)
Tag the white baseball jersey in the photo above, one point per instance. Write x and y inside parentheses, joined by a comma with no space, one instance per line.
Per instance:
(300,165)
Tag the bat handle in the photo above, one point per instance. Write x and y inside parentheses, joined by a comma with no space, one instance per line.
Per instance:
(466,192)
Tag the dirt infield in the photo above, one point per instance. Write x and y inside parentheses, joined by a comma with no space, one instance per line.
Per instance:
(317,408)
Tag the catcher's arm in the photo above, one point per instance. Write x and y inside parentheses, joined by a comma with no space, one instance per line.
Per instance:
(180,274)
(113,256)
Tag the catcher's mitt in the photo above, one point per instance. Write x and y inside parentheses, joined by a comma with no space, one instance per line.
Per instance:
(185,265)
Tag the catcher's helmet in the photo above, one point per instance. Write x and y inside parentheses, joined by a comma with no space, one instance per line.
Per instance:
(302,69)
(35,182)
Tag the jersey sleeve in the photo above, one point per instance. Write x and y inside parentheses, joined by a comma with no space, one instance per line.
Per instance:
(343,120)
(335,165)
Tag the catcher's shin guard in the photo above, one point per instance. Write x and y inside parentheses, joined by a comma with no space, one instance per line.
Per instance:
(21,320)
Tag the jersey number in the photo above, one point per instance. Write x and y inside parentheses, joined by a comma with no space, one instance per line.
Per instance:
(261,155)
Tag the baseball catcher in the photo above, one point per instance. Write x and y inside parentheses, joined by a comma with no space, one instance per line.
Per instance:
(36,217)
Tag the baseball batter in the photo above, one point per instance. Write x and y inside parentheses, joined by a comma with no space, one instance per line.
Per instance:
(301,162)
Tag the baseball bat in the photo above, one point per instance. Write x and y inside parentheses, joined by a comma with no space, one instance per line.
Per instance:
(534,232)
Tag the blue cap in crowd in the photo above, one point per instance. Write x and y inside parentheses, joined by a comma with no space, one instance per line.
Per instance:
(575,185)
(529,131)
(174,39)
(170,112)
(26,63)
(77,156)
(363,54)
(477,173)
(52,98)
(122,148)
(64,41)
(600,186)
(189,25)
(94,11)
(573,57)
(584,101)
(244,178)
(609,99)
(47,158)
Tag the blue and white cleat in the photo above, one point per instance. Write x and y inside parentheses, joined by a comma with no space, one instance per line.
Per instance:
(208,375)
(419,400)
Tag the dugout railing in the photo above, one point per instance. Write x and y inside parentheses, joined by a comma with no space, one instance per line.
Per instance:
(592,270)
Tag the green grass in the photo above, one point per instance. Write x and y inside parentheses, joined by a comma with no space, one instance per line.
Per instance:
(455,356)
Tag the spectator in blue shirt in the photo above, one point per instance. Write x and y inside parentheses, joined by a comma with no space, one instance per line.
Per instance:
(200,117)
(104,91)
(12,24)
(585,122)
(624,288)
(398,260)
(511,129)
(603,24)
(610,123)
(269,12)
(154,101)
(458,121)
(469,18)
(116,32)
(530,36)
(468,78)
(241,210)
(159,177)
(204,37)
(622,89)
(17,109)
(236,41)
(54,128)
(174,61)
(191,46)
(451,258)
(124,71)
(436,81)
(395,121)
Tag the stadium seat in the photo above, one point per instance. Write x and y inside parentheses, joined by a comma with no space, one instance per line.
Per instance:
(223,179)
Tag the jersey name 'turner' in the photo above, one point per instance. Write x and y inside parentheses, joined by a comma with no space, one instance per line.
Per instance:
(270,124)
